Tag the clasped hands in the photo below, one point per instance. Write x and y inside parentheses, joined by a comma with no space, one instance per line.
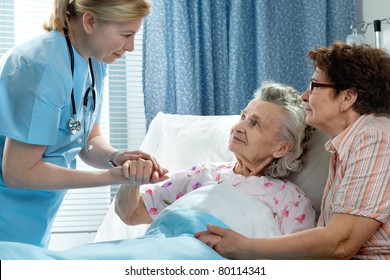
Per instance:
(141,168)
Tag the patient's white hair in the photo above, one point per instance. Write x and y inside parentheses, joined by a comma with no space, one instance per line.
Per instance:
(293,128)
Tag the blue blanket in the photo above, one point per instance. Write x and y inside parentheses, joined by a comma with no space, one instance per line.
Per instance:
(171,234)
(170,237)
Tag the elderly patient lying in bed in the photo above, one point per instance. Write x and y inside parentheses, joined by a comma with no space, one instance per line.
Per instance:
(249,195)
(267,142)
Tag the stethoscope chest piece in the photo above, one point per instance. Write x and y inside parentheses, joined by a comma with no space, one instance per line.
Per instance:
(74,126)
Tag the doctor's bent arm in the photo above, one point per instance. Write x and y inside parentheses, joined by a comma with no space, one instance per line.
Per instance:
(23,167)
(102,155)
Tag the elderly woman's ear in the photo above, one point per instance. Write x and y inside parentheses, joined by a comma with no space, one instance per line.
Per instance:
(281,149)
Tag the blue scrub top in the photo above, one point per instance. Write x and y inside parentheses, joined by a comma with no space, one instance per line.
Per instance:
(35,108)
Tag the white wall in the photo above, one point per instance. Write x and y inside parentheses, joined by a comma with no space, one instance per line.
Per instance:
(370,10)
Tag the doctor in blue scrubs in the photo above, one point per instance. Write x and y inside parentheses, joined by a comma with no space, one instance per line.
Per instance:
(51,91)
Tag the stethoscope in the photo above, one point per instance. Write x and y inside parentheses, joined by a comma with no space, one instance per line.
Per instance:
(74,124)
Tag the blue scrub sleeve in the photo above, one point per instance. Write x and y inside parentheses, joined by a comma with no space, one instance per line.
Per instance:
(31,104)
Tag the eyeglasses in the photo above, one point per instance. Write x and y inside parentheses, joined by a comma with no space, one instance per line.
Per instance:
(319,85)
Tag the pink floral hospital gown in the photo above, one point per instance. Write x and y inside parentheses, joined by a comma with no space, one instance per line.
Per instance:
(292,209)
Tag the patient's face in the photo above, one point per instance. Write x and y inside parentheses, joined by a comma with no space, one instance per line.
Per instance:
(253,139)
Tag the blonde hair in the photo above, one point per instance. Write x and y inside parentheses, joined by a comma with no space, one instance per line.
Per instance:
(120,11)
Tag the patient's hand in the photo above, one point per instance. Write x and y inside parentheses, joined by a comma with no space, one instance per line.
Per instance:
(141,171)
(226,242)
(124,156)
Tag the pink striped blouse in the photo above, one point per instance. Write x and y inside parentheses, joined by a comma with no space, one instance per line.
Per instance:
(359,180)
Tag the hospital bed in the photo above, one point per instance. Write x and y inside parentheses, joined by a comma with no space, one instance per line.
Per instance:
(179,142)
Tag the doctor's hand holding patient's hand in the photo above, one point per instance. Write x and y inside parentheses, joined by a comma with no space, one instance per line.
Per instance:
(128,202)
(138,167)
(120,157)
(140,171)
(226,242)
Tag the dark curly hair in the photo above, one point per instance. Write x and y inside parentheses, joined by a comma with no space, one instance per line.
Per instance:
(362,68)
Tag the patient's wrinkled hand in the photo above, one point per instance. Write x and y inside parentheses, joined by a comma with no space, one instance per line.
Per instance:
(122,157)
(156,177)
(141,171)
(138,171)
(156,166)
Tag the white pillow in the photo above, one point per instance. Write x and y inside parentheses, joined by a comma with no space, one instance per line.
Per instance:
(181,141)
